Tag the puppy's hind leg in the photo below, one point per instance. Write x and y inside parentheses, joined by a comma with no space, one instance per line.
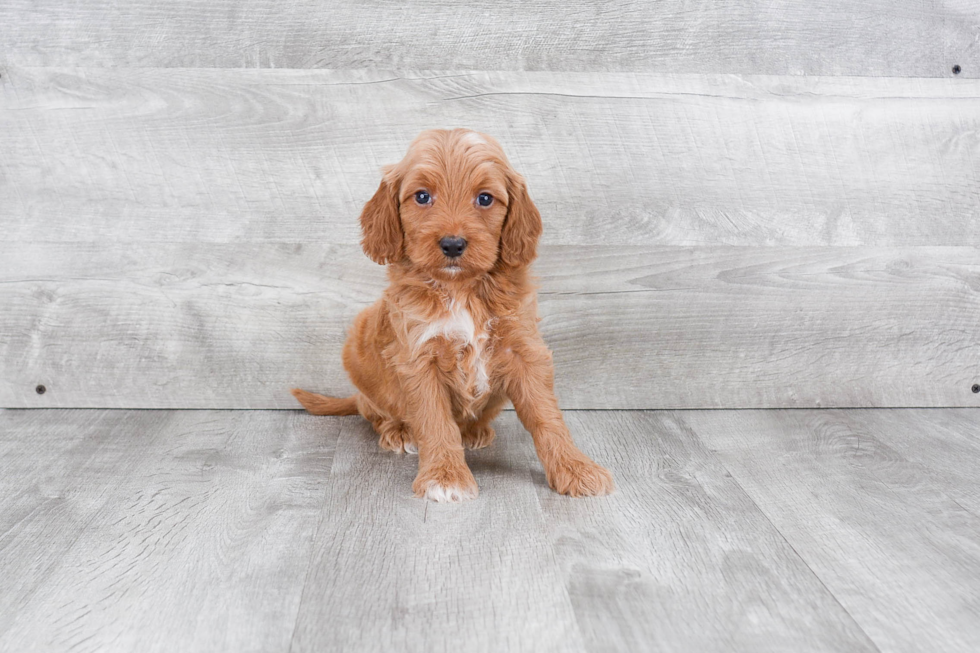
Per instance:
(393,434)
(478,433)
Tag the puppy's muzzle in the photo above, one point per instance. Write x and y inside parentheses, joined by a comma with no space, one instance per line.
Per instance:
(452,246)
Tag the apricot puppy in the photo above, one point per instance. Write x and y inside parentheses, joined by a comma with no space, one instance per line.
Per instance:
(455,334)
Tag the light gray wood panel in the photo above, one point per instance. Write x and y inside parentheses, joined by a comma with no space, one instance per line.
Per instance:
(395,573)
(899,554)
(962,33)
(836,37)
(944,443)
(178,325)
(245,155)
(59,469)
(235,325)
(680,558)
(203,546)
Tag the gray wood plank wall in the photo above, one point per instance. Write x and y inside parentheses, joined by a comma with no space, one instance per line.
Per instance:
(230,155)
(920,38)
(234,325)
(179,230)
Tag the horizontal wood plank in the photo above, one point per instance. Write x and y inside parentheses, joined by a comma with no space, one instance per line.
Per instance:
(638,159)
(962,33)
(824,37)
(236,325)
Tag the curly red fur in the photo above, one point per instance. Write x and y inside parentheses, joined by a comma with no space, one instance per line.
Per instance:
(451,339)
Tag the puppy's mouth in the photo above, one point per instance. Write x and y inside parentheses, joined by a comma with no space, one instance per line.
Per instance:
(452,268)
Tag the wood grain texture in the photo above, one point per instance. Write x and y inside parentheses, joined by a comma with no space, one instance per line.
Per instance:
(825,37)
(943,443)
(59,470)
(619,158)
(235,326)
(680,558)
(962,34)
(277,531)
(395,573)
(901,556)
(200,542)
(680,561)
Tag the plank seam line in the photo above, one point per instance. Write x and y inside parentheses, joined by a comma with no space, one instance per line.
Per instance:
(313,540)
(110,494)
(550,541)
(667,95)
(654,96)
(783,537)
(564,410)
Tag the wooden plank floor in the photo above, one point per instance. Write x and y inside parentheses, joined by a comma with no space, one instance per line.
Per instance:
(766,530)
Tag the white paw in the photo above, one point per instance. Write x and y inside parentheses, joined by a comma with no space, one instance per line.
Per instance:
(411,448)
(450,494)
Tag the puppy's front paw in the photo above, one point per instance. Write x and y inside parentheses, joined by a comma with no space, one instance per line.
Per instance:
(578,476)
(478,438)
(446,484)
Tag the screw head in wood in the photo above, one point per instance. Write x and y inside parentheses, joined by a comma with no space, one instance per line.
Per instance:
(976,388)
(40,389)
(957,69)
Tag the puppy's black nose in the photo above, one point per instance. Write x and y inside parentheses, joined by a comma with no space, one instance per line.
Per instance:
(452,246)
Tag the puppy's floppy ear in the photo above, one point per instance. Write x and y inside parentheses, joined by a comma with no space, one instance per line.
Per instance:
(522,226)
(381,224)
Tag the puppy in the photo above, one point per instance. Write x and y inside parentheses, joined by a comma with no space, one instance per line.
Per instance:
(455,334)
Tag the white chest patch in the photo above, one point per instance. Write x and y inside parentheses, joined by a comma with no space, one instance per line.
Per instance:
(458,326)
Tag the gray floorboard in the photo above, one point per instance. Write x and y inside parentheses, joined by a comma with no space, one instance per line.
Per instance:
(185,530)
(273,530)
(395,573)
(943,442)
(881,532)
(680,558)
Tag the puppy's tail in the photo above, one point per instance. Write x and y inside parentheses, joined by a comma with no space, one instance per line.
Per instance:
(323,405)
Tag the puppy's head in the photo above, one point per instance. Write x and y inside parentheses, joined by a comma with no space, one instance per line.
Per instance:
(454,207)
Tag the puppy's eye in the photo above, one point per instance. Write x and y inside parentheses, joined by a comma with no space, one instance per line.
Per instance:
(484,199)
(423,197)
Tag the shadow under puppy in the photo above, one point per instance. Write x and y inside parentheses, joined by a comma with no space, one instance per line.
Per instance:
(455,334)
